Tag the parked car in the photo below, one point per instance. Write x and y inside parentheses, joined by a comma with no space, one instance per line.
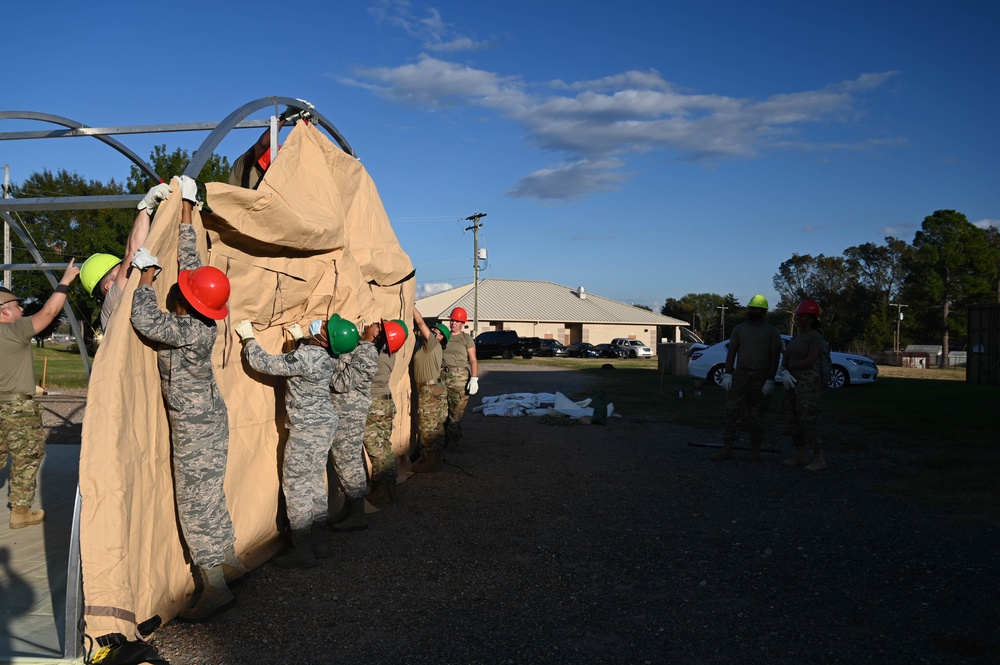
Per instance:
(632,347)
(552,348)
(583,350)
(848,368)
(505,343)
(608,351)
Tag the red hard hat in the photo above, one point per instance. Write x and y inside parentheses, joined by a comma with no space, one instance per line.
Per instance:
(395,335)
(808,306)
(459,314)
(207,290)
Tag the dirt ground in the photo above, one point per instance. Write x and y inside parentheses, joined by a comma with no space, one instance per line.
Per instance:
(571,543)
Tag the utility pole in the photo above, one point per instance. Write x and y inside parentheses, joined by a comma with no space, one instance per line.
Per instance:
(6,228)
(474,218)
(722,319)
(899,317)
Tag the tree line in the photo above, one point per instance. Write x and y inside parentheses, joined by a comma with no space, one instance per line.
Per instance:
(951,265)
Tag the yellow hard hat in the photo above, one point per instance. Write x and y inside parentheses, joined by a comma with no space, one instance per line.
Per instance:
(94,269)
(758,301)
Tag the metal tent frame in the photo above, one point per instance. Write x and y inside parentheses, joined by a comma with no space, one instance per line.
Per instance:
(217,132)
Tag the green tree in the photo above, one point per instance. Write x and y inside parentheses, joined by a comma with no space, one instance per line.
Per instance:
(61,235)
(953,265)
(698,309)
(173,164)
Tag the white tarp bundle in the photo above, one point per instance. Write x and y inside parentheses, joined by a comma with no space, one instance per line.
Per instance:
(513,405)
(311,241)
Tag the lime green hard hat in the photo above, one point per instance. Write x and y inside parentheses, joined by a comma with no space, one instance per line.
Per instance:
(758,301)
(94,269)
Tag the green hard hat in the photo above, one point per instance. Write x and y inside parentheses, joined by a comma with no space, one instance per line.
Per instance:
(343,334)
(758,301)
(444,330)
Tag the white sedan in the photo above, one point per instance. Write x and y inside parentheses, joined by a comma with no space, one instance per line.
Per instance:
(710,364)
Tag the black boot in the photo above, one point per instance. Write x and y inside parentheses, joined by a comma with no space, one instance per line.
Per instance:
(301,556)
(357,521)
(390,485)
(342,514)
(320,535)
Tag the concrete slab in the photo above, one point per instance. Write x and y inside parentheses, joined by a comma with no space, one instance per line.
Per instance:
(33,564)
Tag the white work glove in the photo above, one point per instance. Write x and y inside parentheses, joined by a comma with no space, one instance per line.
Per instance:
(473,386)
(293,115)
(787,379)
(143,259)
(153,198)
(245,330)
(189,189)
(295,330)
(768,388)
(727,381)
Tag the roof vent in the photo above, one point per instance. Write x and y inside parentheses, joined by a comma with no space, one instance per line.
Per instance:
(582,293)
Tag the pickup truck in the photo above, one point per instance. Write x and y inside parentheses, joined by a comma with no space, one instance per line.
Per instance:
(506,344)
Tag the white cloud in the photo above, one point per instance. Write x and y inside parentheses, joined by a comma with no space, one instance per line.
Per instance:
(986,223)
(432,31)
(593,123)
(430,288)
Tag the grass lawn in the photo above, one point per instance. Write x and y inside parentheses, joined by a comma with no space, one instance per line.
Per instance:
(61,367)
(947,424)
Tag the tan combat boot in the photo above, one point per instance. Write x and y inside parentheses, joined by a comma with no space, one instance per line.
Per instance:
(215,596)
(22,516)
(799,459)
(725,454)
(818,463)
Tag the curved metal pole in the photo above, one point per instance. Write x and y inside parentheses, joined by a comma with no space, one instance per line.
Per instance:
(74,324)
(73,124)
(208,146)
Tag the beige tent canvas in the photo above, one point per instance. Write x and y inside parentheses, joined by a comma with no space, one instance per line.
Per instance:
(311,241)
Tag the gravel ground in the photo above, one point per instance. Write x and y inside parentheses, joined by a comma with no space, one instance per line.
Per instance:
(623,544)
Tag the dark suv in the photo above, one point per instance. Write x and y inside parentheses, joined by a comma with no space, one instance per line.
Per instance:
(506,344)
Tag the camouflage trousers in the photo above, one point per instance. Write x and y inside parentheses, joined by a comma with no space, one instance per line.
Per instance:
(302,474)
(200,450)
(349,442)
(378,438)
(432,412)
(455,380)
(746,406)
(21,439)
(803,410)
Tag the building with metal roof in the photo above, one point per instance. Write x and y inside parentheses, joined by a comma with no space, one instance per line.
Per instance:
(552,311)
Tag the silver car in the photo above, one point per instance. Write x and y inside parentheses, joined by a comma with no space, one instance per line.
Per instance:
(710,364)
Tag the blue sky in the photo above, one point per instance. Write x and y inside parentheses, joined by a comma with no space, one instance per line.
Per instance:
(644,150)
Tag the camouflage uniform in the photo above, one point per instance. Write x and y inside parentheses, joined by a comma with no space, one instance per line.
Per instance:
(312,421)
(455,373)
(351,396)
(802,407)
(199,421)
(21,435)
(378,426)
(802,403)
(746,405)
(432,397)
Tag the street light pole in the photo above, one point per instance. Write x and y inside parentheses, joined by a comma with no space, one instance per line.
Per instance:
(899,318)
(475,267)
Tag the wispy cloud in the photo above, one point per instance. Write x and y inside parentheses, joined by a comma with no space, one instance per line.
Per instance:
(430,288)
(986,223)
(595,123)
(431,30)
